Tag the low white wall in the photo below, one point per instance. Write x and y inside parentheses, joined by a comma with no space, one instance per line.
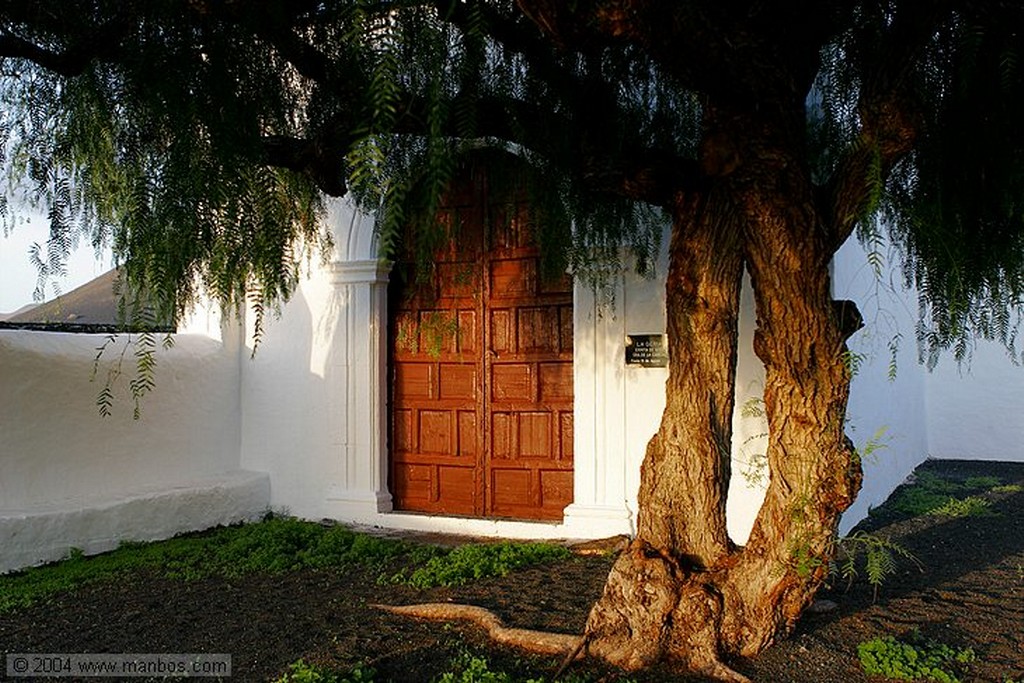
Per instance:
(59,456)
(42,534)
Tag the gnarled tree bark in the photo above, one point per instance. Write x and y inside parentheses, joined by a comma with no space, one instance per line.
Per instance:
(682,591)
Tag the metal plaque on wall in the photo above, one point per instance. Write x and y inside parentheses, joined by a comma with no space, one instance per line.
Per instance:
(646,350)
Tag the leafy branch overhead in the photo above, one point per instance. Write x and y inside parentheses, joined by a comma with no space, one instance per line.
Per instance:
(196,136)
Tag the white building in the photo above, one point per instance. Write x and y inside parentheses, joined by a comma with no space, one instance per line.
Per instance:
(486,429)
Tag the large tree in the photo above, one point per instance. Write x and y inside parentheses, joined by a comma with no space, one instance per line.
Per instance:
(198,137)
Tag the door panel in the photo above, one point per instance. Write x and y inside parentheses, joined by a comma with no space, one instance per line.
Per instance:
(481,390)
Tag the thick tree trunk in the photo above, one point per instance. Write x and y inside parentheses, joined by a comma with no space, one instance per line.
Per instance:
(667,575)
(681,591)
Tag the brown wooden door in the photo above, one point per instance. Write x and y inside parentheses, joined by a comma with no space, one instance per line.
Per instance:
(481,359)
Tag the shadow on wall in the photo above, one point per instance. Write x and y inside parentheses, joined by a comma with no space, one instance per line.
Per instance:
(293,402)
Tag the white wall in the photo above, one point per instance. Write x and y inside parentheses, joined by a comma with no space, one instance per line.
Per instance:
(619,407)
(974,411)
(886,412)
(67,474)
(290,408)
(313,395)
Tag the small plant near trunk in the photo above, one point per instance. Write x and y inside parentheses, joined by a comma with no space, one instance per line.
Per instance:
(880,558)
(913,659)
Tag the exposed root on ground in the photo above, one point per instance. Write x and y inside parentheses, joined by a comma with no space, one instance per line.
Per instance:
(717,671)
(540,642)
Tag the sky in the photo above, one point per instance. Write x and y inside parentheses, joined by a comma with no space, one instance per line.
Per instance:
(18,276)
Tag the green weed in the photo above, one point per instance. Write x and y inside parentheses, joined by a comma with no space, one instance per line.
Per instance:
(880,557)
(474,561)
(932,495)
(300,672)
(985,483)
(916,659)
(470,669)
(925,495)
(463,668)
(1007,488)
(972,506)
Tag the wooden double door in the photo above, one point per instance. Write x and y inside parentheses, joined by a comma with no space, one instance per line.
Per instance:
(481,372)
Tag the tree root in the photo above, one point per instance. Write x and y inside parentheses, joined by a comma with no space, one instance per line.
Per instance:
(540,642)
(718,671)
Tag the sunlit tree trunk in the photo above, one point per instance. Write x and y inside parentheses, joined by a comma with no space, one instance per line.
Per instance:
(681,591)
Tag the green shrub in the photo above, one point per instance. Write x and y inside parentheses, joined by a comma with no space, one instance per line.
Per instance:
(300,672)
(474,561)
(917,660)
(984,483)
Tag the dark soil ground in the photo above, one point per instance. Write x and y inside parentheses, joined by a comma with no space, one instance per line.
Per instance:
(967,592)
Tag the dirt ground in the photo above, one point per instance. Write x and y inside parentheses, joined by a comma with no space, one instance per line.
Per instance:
(967,592)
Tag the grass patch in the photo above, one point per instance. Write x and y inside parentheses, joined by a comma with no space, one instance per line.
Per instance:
(271,546)
(465,667)
(300,672)
(474,561)
(933,495)
(470,669)
(914,659)
(983,483)
(275,545)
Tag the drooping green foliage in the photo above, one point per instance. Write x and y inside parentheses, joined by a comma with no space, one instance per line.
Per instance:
(198,142)
(198,138)
(155,155)
(954,204)
(957,206)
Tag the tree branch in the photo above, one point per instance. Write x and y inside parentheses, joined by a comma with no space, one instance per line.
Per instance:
(320,159)
(74,59)
(890,119)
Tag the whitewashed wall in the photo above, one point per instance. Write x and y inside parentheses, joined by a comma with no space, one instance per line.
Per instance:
(886,415)
(974,411)
(70,478)
(313,395)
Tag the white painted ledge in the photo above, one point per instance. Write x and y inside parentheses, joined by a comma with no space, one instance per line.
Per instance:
(31,536)
(580,523)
